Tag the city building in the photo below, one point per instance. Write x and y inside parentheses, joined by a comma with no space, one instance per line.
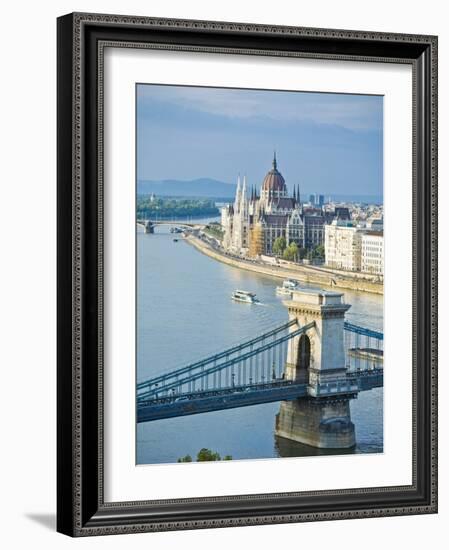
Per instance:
(372,256)
(342,213)
(314,221)
(343,245)
(256,220)
(316,200)
(375,224)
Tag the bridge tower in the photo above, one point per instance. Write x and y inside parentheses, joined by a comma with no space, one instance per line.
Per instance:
(317,358)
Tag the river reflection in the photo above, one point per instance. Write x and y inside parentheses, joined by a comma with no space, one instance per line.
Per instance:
(184,313)
(286,448)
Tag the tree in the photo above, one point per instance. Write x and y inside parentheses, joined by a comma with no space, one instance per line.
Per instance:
(206,455)
(279,246)
(319,251)
(186,458)
(291,252)
(150,207)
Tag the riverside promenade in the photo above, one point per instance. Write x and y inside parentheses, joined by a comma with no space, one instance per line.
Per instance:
(304,274)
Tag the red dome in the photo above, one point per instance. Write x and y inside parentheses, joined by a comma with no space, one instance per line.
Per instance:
(274,180)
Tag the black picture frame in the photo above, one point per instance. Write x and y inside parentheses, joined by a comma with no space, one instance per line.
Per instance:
(81,510)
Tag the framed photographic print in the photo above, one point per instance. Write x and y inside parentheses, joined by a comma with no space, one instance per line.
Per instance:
(247,277)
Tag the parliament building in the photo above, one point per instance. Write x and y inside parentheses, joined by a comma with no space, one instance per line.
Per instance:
(258,218)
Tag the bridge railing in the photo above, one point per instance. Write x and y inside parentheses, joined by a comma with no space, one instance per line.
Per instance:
(200,394)
(363,347)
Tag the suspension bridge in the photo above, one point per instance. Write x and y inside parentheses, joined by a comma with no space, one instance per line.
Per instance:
(315,357)
(149,225)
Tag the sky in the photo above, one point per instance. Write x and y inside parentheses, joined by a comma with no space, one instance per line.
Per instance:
(326,143)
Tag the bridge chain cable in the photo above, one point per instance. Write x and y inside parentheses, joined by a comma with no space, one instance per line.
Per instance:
(217,356)
(363,331)
(229,364)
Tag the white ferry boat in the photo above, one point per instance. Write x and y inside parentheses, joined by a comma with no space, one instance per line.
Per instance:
(244,296)
(287,287)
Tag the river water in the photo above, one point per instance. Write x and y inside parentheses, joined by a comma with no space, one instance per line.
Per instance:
(184,313)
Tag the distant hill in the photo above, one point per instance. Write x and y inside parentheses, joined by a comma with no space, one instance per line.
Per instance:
(202,187)
(211,188)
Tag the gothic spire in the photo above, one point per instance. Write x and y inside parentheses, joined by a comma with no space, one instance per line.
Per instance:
(243,199)
(275,164)
(237,196)
(244,188)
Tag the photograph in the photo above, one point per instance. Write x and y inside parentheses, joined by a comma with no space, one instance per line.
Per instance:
(259,273)
(215,348)
(226,300)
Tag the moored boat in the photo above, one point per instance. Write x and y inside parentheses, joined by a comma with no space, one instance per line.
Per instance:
(288,286)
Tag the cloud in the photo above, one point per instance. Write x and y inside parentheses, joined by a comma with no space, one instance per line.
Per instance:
(330,143)
(352,112)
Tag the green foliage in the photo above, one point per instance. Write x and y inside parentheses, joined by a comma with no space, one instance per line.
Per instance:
(205,455)
(317,252)
(291,252)
(186,458)
(214,230)
(279,246)
(149,207)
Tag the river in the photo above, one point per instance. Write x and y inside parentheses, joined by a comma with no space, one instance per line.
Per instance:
(184,313)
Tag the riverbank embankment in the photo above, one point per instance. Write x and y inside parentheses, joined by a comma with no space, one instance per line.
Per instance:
(304,274)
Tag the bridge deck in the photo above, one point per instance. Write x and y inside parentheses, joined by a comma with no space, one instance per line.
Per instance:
(256,394)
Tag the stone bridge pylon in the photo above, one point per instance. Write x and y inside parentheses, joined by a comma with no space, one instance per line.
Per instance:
(317,358)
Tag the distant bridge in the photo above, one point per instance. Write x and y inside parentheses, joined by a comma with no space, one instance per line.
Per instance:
(149,225)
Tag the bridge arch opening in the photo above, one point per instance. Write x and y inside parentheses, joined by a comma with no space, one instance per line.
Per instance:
(303,358)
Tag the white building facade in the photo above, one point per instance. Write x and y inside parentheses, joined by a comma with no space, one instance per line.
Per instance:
(373,253)
(343,245)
